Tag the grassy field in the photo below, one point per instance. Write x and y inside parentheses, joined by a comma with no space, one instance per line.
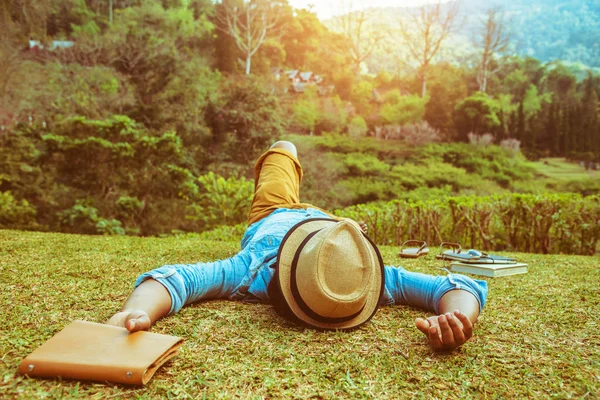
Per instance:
(539,336)
(559,168)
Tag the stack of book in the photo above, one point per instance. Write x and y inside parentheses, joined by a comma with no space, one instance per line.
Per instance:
(488,269)
(479,263)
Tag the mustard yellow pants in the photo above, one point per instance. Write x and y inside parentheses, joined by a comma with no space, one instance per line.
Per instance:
(277,184)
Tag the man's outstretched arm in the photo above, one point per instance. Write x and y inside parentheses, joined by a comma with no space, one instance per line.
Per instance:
(455,299)
(165,290)
(149,302)
(459,311)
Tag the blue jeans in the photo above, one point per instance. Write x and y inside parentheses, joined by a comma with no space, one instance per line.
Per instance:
(246,275)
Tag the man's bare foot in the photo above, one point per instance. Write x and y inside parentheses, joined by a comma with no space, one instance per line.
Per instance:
(133,321)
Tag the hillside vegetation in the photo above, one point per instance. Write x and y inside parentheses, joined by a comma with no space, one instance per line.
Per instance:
(340,172)
(145,117)
(484,197)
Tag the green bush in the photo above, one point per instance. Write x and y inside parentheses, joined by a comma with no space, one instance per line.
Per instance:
(366,189)
(477,113)
(247,116)
(426,194)
(333,116)
(15,214)
(434,174)
(85,218)
(322,171)
(219,201)
(109,227)
(402,110)
(337,143)
(585,187)
(549,223)
(360,164)
(306,113)
(357,127)
(333,165)
(491,162)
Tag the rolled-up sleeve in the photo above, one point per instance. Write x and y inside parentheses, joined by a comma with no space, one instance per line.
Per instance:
(425,291)
(188,283)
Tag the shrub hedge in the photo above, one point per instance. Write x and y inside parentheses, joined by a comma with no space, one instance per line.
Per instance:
(549,223)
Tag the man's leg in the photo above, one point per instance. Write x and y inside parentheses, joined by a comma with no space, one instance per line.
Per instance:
(277,181)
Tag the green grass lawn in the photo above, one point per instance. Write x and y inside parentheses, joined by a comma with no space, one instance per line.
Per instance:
(539,335)
(559,168)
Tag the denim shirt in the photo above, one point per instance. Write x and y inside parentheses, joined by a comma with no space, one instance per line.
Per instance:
(246,275)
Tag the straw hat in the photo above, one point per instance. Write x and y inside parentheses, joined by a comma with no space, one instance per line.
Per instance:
(330,274)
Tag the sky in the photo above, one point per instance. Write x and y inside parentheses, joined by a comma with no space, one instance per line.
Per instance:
(326,8)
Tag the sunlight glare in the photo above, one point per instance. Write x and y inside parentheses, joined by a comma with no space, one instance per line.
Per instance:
(327,8)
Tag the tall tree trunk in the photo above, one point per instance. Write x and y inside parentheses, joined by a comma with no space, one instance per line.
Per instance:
(521,125)
(484,82)
(424,82)
(248,64)
(110,11)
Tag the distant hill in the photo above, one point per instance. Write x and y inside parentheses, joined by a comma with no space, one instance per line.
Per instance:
(552,29)
(548,30)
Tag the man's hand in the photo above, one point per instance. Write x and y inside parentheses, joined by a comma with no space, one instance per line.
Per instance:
(447,331)
(133,321)
(363,227)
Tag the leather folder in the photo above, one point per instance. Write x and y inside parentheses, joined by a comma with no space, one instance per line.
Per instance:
(98,352)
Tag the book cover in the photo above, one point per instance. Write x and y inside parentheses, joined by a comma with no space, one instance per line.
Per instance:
(90,351)
(491,270)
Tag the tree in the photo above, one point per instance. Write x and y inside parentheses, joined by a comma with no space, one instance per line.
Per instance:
(506,109)
(533,101)
(494,38)
(250,117)
(11,88)
(552,130)
(590,115)
(249,22)
(227,52)
(119,168)
(360,38)
(446,88)
(306,110)
(514,75)
(302,38)
(561,84)
(425,32)
(561,81)
(362,94)
(31,16)
(476,114)
(160,52)
(310,46)
(402,110)
(520,133)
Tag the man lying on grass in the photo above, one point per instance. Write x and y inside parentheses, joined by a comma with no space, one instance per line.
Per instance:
(316,269)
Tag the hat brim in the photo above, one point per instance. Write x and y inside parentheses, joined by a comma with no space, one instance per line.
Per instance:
(293,239)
